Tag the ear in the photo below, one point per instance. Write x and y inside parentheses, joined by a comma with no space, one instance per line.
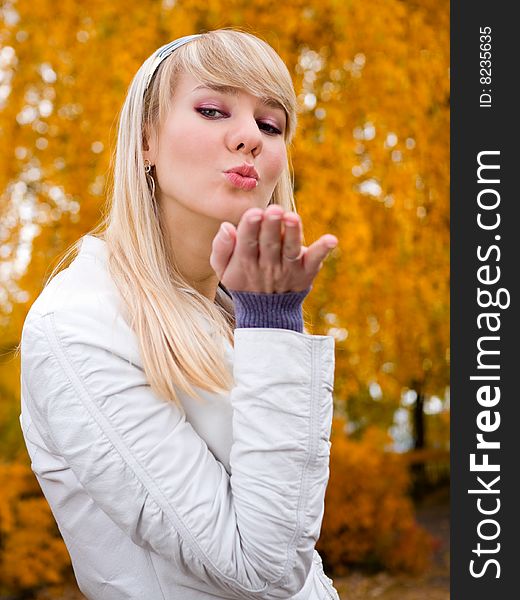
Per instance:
(149,148)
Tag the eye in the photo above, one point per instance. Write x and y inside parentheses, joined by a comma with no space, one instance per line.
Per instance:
(267,127)
(271,129)
(200,110)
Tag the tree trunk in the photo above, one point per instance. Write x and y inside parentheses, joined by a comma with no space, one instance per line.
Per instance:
(418,422)
(419,477)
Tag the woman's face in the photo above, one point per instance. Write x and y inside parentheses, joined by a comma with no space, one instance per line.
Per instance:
(207,132)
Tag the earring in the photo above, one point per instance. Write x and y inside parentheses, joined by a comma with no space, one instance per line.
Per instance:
(149,177)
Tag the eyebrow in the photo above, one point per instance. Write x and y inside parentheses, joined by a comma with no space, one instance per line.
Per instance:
(233,91)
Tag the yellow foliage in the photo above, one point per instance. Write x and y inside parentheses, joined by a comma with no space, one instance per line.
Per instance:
(369,518)
(32,552)
(377,77)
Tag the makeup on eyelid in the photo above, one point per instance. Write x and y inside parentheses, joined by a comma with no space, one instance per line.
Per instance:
(232,93)
(275,128)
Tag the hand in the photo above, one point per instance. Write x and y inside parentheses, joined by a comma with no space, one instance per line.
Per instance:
(255,257)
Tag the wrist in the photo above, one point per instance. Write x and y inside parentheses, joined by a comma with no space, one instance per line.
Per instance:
(260,309)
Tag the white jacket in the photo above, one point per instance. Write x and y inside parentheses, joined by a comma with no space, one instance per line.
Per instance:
(219,500)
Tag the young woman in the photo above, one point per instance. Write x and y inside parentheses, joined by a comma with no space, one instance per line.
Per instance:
(176,412)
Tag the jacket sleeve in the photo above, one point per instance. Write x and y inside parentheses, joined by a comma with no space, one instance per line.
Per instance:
(252,533)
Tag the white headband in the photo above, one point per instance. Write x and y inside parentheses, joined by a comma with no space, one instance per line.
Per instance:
(165,51)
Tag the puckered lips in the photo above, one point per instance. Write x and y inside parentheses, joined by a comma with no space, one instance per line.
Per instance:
(243,176)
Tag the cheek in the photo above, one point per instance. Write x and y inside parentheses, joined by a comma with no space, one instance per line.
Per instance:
(275,163)
(184,145)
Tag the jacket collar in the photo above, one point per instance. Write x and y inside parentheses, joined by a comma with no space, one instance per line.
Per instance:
(94,247)
(97,248)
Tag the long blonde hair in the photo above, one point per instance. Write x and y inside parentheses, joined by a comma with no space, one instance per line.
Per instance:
(164,310)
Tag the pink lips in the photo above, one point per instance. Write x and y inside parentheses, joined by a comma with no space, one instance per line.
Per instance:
(239,181)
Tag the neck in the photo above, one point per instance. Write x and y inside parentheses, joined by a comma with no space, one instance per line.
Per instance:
(190,237)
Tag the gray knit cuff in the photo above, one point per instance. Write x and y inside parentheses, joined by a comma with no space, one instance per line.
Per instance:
(259,309)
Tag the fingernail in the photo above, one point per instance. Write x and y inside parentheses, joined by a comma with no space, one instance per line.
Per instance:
(331,243)
(224,234)
(255,218)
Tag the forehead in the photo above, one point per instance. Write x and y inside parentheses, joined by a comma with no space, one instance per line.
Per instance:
(191,86)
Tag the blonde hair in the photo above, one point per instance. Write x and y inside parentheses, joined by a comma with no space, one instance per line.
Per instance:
(162,307)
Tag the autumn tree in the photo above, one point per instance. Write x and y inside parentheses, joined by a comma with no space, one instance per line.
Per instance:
(371,160)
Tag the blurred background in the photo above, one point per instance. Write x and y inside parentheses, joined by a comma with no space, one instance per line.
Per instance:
(371,162)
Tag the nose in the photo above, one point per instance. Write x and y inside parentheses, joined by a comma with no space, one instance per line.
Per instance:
(244,135)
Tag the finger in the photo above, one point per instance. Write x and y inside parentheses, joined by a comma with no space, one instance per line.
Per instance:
(270,237)
(292,239)
(222,248)
(247,235)
(317,252)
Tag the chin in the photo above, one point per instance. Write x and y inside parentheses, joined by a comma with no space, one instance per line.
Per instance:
(235,213)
